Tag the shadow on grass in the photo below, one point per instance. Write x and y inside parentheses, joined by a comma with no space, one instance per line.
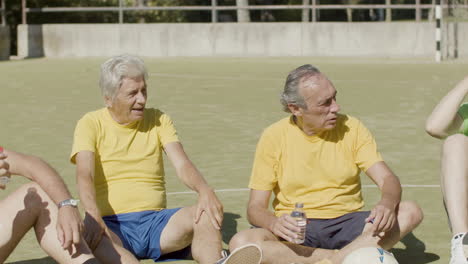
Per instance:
(229,226)
(414,253)
(45,260)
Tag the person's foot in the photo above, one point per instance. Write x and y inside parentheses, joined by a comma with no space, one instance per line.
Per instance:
(459,242)
(248,254)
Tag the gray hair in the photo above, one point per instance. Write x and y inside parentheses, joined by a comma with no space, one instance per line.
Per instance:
(291,95)
(115,69)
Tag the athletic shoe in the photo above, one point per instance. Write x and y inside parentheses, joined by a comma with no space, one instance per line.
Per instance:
(458,253)
(248,254)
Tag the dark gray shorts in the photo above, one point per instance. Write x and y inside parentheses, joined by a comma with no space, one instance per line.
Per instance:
(335,233)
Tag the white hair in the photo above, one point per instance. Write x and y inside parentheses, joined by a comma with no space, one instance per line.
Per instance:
(290,94)
(115,69)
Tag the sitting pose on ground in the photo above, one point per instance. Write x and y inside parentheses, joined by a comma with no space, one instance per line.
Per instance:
(314,157)
(45,205)
(118,151)
(449,121)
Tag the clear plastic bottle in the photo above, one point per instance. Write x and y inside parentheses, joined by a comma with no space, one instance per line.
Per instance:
(301,220)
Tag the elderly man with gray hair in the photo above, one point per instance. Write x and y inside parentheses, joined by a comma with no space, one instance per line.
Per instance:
(314,157)
(118,151)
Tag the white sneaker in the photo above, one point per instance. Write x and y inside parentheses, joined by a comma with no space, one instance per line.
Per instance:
(458,253)
(248,254)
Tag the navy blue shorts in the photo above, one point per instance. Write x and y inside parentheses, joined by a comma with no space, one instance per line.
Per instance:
(140,233)
(335,233)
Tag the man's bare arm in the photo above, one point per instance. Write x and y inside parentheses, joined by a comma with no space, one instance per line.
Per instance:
(69,224)
(207,200)
(94,225)
(259,215)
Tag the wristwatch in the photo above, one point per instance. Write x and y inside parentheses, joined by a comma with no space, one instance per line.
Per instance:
(70,202)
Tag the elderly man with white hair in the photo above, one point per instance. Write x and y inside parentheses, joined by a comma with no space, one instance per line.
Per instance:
(314,157)
(118,151)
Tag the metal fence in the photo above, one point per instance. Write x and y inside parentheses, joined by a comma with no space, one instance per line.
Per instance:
(309,8)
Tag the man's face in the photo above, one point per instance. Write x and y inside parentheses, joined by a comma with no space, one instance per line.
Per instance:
(129,103)
(322,109)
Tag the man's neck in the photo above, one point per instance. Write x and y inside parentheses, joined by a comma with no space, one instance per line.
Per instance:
(307,130)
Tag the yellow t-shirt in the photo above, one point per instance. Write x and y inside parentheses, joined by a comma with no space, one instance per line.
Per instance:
(320,171)
(129,171)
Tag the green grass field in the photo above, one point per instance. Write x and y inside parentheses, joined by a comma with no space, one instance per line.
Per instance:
(220,106)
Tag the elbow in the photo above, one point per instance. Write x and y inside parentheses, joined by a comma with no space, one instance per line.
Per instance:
(434,131)
(250,214)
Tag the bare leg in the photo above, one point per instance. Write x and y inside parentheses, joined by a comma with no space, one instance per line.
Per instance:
(28,207)
(454,177)
(181,231)
(280,252)
(409,216)
(111,251)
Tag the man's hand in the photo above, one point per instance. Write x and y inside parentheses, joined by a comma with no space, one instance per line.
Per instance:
(286,227)
(208,202)
(383,217)
(4,168)
(69,226)
(94,229)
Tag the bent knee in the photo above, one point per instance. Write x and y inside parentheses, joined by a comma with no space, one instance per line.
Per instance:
(249,236)
(454,144)
(411,213)
(33,194)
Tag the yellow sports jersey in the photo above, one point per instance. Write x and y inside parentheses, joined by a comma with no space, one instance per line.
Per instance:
(321,171)
(129,171)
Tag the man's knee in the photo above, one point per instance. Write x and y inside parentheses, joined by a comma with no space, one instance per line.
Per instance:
(455,144)
(411,213)
(34,197)
(250,236)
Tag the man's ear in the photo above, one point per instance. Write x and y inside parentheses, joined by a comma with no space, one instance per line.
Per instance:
(108,101)
(295,110)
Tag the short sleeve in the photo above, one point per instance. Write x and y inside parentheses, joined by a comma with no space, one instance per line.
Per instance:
(366,153)
(84,138)
(264,171)
(463,112)
(167,132)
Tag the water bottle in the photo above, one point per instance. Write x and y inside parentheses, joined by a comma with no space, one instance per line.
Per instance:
(301,220)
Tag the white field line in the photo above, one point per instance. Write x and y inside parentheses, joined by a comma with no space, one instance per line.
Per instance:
(240,78)
(364,186)
(211,77)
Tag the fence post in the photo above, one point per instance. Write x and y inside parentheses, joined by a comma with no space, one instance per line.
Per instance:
(388,11)
(418,10)
(243,14)
(306,10)
(438,31)
(214,12)
(23,12)
(3,13)
(314,14)
(120,11)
